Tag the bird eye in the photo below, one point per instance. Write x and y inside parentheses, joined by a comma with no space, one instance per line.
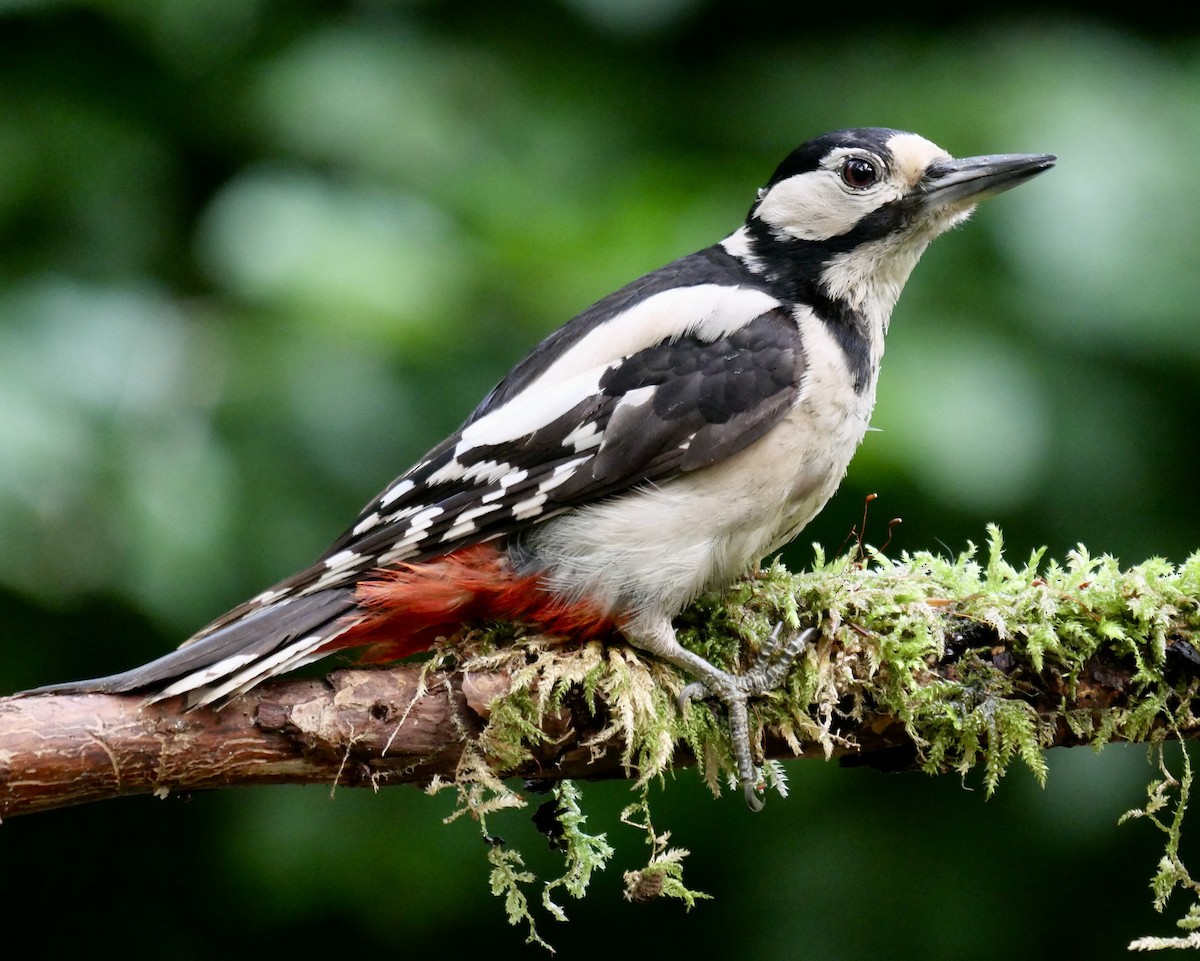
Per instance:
(858,173)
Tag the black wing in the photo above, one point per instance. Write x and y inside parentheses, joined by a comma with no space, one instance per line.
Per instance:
(674,407)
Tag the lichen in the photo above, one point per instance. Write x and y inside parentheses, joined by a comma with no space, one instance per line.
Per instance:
(970,661)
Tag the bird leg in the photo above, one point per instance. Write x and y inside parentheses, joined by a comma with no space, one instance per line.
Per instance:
(770,667)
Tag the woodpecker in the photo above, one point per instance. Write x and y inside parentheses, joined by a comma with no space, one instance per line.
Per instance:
(656,446)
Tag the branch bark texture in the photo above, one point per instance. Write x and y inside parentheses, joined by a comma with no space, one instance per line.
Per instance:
(356,728)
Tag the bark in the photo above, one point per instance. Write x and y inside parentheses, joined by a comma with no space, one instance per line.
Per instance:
(375,728)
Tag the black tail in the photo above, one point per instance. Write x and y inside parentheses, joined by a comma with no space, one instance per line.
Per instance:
(234,656)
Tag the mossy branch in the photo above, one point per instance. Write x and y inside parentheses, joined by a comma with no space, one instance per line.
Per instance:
(924,662)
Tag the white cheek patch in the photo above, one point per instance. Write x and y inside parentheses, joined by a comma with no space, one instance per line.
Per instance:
(815,205)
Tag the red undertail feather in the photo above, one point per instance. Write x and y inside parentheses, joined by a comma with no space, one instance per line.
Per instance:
(407,607)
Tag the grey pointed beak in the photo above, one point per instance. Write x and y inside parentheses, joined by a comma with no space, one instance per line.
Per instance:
(967,181)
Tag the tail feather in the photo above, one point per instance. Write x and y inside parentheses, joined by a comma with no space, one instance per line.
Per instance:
(392,614)
(231,650)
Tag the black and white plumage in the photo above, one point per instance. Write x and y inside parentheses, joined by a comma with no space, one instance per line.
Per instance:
(659,443)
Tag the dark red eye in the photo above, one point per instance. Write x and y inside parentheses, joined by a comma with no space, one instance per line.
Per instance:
(859,173)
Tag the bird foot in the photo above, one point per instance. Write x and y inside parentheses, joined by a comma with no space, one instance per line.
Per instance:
(770,667)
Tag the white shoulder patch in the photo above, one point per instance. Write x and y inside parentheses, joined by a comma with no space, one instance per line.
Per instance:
(707,310)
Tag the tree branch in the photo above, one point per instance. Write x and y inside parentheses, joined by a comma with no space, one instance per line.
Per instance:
(356,728)
(922,663)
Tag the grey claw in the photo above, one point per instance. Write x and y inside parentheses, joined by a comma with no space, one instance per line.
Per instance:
(696,691)
(774,661)
(768,671)
(768,649)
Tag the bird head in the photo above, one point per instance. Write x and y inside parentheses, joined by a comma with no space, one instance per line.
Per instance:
(854,210)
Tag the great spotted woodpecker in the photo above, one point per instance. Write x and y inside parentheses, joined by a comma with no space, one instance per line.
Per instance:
(654,447)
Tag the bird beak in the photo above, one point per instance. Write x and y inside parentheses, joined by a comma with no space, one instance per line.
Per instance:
(961,183)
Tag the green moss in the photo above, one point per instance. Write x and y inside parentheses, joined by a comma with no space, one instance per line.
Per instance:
(978,661)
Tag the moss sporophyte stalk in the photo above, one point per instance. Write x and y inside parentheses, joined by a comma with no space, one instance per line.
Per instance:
(927,662)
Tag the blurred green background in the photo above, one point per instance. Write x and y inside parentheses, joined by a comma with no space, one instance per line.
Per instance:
(256,257)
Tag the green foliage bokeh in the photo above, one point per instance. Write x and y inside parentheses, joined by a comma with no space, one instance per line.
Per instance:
(256,257)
